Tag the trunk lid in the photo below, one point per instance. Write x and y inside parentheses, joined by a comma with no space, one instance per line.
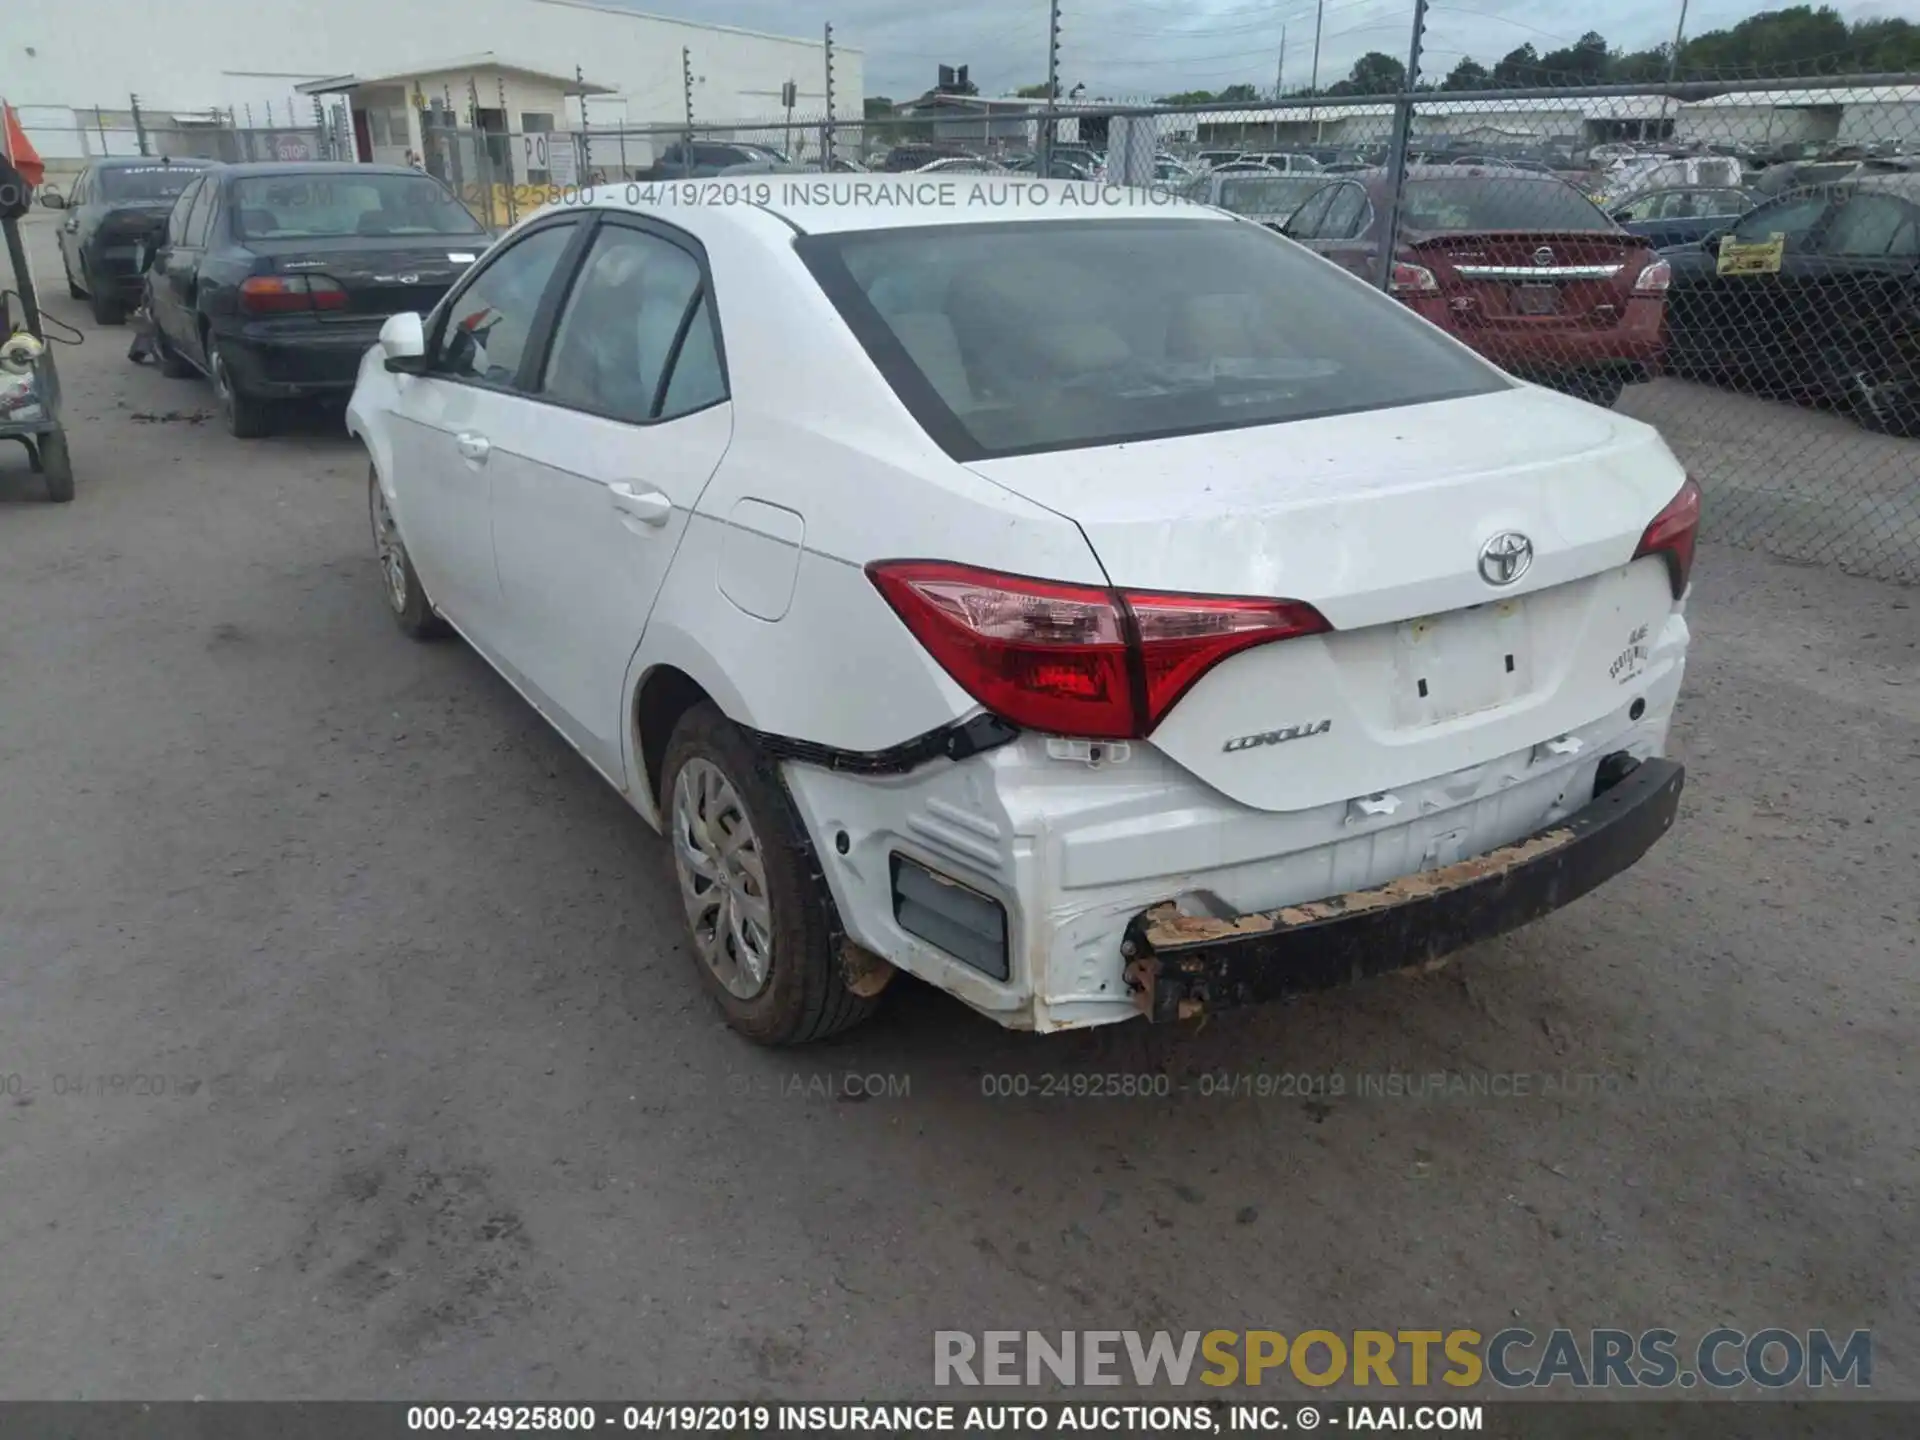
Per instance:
(382,275)
(1543,280)
(1378,520)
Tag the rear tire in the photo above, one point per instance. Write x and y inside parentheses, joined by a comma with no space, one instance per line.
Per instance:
(247,417)
(74,292)
(107,308)
(738,849)
(56,466)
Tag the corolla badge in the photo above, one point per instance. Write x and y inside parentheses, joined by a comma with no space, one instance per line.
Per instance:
(1543,256)
(1505,558)
(1304,731)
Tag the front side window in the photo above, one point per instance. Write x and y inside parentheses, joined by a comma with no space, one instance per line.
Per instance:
(489,321)
(335,204)
(1008,338)
(617,335)
(1792,216)
(202,214)
(177,221)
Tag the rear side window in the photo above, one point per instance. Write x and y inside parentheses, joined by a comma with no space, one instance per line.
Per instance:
(1003,339)
(626,314)
(1508,201)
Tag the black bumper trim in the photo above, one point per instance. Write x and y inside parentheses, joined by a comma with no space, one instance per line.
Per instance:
(953,742)
(1180,965)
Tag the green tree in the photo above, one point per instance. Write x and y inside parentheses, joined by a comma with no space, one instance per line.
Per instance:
(1517,69)
(1469,74)
(1243,93)
(1188,97)
(1374,73)
(1037,92)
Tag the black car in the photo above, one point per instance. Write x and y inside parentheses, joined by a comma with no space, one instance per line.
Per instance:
(1815,294)
(274,279)
(113,207)
(1683,214)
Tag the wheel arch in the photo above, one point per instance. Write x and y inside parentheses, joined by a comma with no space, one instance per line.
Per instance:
(669,675)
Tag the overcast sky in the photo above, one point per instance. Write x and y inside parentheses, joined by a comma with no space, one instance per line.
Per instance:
(1130,48)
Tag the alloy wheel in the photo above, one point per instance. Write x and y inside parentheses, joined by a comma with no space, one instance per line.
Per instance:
(723,879)
(393,554)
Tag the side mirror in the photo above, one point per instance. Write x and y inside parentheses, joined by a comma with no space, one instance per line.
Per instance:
(403,340)
(53,200)
(1621,216)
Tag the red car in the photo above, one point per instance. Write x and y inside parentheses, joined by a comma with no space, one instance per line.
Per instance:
(1521,266)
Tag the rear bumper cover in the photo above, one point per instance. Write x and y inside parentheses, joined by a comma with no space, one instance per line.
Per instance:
(289,362)
(1180,965)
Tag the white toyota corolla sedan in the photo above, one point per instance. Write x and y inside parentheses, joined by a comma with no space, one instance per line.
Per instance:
(1097,608)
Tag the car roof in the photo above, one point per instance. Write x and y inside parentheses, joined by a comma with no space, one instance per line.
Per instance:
(314,167)
(840,209)
(817,204)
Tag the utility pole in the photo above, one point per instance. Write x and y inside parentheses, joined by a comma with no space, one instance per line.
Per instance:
(826,130)
(1397,158)
(1280,73)
(1044,168)
(686,87)
(1313,82)
(1673,62)
(140,125)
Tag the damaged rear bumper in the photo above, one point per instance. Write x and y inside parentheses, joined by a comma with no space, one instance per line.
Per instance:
(1181,965)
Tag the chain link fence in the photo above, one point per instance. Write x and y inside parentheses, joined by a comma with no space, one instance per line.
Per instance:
(1738,263)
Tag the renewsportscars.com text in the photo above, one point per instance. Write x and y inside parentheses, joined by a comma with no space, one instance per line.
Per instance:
(1723,1359)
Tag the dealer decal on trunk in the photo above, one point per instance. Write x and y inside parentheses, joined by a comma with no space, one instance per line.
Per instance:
(1628,664)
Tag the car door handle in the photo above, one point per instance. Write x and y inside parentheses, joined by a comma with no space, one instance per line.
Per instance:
(650,507)
(473,447)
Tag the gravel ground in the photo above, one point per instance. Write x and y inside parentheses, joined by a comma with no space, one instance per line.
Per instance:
(348,1046)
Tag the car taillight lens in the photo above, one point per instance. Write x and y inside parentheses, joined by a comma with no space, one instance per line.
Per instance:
(281,294)
(1413,280)
(1076,660)
(1672,535)
(1655,279)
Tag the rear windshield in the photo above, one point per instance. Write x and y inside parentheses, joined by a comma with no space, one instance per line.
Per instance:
(147,182)
(1510,201)
(333,204)
(1265,195)
(1042,335)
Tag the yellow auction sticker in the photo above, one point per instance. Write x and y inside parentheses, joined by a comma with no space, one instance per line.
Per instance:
(1760,258)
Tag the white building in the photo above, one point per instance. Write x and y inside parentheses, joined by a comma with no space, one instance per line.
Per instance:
(265,60)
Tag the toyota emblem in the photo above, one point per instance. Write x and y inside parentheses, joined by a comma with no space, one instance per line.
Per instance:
(1505,558)
(1543,256)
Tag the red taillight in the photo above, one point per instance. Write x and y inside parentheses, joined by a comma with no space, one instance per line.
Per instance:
(1672,535)
(282,294)
(1077,660)
(1413,280)
(1655,279)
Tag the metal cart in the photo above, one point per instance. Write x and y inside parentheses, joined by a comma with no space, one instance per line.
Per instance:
(30,399)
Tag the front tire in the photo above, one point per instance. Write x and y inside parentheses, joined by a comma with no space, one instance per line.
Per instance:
(247,417)
(173,364)
(406,596)
(763,927)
